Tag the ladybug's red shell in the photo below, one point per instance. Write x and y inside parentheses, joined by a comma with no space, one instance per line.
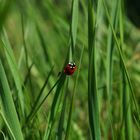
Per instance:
(70,68)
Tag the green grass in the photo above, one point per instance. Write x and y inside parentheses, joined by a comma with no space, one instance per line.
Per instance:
(8,111)
(38,101)
(92,76)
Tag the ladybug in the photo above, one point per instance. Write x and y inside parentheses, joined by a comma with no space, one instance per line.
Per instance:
(70,68)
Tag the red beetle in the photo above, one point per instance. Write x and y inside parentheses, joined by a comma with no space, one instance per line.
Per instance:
(70,68)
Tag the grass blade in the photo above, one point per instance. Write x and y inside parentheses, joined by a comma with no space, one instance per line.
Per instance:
(54,107)
(125,89)
(92,84)
(8,106)
(110,48)
(74,23)
(62,115)
(39,103)
(122,58)
(72,100)
(7,125)
(14,69)
(127,112)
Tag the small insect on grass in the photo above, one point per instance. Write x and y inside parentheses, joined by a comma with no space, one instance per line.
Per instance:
(70,68)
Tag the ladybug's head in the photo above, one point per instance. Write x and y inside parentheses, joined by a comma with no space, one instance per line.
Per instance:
(71,65)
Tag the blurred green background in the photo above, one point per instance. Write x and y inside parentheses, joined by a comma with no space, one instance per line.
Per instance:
(39,36)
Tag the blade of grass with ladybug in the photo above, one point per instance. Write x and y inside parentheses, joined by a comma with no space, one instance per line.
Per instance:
(69,69)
